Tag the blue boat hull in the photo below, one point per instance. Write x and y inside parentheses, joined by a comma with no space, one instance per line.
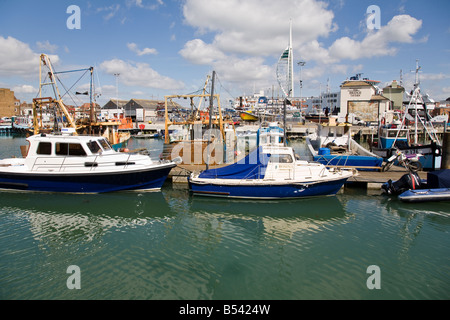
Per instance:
(425,195)
(362,163)
(152,178)
(268,191)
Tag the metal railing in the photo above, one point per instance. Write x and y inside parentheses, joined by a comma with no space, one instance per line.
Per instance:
(59,163)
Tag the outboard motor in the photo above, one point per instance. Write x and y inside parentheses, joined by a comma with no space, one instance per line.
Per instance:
(410,181)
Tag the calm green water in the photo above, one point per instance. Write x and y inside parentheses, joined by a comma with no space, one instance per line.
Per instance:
(170,245)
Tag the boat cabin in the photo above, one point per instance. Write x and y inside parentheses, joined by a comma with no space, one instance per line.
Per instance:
(390,135)
(64,145)
(272,135)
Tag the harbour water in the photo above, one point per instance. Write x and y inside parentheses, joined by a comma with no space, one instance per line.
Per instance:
(169,245)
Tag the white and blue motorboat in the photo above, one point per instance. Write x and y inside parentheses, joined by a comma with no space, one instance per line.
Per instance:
(80,164)
(271,171)
(410,188)
(333,146)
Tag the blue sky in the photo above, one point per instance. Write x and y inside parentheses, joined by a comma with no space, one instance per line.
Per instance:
(163,47)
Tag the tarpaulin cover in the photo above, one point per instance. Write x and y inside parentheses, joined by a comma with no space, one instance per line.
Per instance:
(438,179)
(253,166)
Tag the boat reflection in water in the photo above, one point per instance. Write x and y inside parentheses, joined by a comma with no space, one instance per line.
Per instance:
(83,217)
(274,218)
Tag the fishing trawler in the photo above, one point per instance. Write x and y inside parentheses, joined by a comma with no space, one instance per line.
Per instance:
(87,125)
(333,146)
(400,136)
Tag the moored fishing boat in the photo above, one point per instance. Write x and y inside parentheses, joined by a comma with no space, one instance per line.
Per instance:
(333,146)
(248,116)
(404,135)
(80,164)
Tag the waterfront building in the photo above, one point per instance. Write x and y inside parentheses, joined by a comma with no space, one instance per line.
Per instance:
(327,101)
(394,92)
(143,110)
(26,109)
(362,98)
(9,105)
(113,109)
(442,108)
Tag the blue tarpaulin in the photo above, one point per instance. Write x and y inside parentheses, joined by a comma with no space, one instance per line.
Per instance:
(438,179)
(253,166)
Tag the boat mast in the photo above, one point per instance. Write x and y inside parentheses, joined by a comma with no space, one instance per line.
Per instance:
(92,114)
(416,95)
(211,106)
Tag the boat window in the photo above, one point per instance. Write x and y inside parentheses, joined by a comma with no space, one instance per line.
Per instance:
(105,145)
(44,148)
(275,139)
(93,146)
(69,149)
(281,158)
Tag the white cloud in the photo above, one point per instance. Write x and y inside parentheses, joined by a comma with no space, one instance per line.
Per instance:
(242,40)
(24,89)
(250,69)
(139,74)
(377,43)
(249,36)
(433,76)
(110,11)
(314,51)
(46,47)
(198,52)
(141,4)
(258,27)
(17,58)
(133,47)
(446,90)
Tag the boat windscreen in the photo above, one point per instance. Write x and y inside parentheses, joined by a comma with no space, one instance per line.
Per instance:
(93,146)
(105,145)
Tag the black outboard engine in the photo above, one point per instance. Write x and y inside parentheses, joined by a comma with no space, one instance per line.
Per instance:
(410,181)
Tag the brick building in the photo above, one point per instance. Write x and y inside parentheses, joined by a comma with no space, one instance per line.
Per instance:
(9,105)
